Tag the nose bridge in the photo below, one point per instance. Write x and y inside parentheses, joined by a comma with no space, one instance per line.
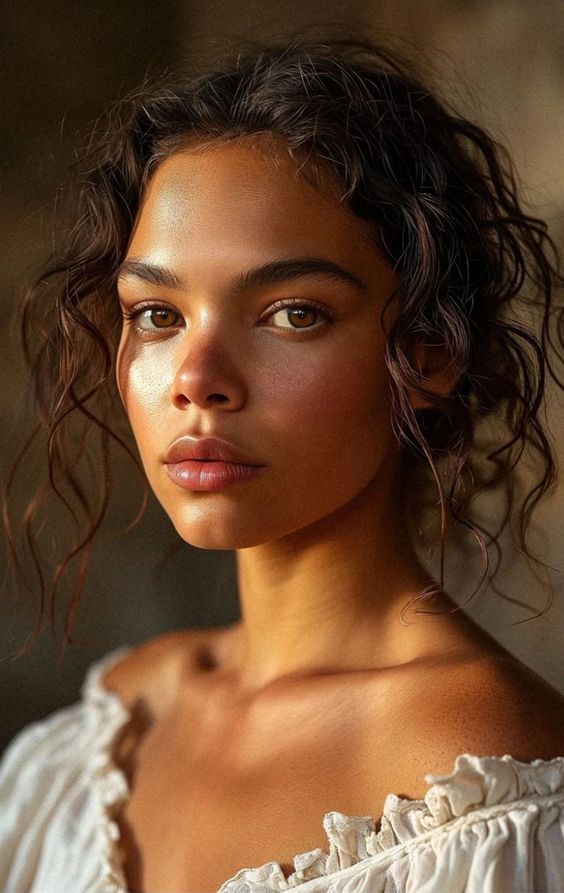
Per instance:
(208,364)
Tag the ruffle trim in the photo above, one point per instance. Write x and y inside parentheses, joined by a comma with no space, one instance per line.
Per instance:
(108,716)
(476,783)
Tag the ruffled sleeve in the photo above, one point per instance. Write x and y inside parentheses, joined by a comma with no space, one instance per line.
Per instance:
(493,825)
(57,791)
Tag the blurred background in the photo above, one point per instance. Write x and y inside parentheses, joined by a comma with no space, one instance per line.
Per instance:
(501,61)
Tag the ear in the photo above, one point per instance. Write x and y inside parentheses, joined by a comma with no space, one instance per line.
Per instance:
(439,371)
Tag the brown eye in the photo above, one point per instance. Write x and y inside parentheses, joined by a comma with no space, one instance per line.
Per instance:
(157,318)
(299,317)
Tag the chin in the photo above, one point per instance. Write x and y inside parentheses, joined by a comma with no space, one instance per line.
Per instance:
(219,536)
(220,531)
(212,543)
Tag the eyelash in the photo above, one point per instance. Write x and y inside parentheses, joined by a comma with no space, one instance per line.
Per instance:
(131,315)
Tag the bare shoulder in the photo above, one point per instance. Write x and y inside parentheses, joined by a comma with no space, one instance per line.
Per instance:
(485,706)
(153,670)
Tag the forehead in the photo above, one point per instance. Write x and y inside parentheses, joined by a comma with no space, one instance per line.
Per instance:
(243,196)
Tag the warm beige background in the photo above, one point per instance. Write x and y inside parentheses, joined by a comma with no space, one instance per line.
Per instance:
(501,60)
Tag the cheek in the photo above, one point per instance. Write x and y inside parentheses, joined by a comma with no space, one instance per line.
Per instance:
(334,407)
(144,388)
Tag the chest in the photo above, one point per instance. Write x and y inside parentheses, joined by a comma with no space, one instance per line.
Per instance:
(214,790)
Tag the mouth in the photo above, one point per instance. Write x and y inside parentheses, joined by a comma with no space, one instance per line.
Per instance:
(209,475)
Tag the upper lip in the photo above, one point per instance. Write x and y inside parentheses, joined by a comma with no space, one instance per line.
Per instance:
(210,448)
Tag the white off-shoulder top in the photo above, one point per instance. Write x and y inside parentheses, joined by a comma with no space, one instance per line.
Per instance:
(493,825)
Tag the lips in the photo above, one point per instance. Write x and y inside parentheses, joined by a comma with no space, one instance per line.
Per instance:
(208,464)
(207,449)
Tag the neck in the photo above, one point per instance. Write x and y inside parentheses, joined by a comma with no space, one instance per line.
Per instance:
(327,598)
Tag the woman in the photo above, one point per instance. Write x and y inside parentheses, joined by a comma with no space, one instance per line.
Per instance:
(312,265)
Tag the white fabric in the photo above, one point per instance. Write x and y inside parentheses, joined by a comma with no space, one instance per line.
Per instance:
(494,825)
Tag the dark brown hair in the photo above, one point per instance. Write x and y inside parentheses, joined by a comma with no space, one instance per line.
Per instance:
(443,199)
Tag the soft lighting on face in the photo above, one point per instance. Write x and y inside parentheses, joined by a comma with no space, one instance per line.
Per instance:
(254,315)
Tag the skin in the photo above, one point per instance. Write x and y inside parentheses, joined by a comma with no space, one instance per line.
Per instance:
(318,698)
(322,578)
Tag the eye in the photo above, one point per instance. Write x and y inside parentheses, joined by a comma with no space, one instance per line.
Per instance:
(297,314)
(159,319)
(152,318)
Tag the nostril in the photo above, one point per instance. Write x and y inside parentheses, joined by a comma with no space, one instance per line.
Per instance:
(182,400)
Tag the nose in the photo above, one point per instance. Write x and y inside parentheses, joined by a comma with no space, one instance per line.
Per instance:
(207,375)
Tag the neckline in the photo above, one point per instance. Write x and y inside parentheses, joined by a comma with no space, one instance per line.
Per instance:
(110,715)
(475,783)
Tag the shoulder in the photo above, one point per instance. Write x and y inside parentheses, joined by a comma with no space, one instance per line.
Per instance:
(154,670)
(484,705)
(39,743)
(513,707)
(44,770)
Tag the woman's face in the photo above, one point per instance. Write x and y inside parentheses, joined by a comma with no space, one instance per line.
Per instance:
(302,391)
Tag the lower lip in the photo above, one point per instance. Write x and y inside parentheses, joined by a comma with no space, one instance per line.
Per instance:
(210,476)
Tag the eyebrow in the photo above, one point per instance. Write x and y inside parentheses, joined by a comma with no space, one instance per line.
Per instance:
(282,270)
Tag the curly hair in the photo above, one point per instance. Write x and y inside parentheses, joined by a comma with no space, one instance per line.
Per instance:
(443,199)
